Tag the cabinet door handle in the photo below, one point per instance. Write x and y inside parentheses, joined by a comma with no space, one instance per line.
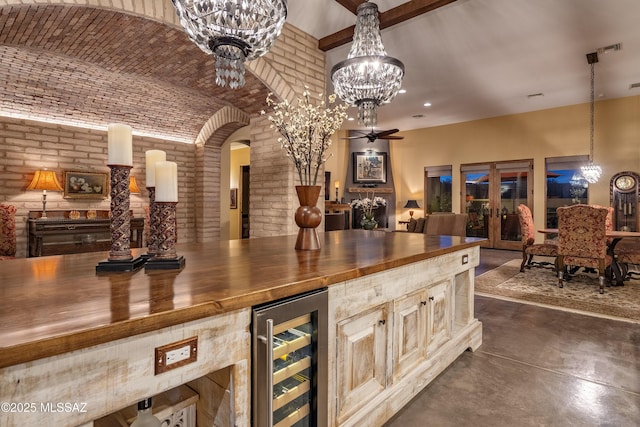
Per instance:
(382,322)
(423,302)
(71,227)
(431,298)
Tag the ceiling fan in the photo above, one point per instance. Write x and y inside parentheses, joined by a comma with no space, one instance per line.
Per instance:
(372,136)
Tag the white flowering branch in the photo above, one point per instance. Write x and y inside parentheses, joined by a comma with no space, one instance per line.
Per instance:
(306,131)
(367,205)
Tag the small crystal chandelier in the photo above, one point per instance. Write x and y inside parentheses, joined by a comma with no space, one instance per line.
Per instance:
(368,77)
(592,172)
(233,31)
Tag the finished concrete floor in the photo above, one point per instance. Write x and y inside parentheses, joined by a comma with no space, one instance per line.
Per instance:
(536,367)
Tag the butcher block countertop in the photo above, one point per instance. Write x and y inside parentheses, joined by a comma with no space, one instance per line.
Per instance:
(56,304)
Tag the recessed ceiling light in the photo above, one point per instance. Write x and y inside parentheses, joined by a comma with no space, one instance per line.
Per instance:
(402,91)
(427,104)
(350,119)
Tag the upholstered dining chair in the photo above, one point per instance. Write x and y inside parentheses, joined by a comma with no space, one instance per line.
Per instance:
(628,256)
(529,248)
(582,240)
(7,231)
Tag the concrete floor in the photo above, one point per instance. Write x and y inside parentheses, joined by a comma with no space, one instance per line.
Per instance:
(536,367)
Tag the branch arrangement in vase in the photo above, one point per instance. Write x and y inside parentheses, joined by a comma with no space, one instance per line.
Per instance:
(306,130)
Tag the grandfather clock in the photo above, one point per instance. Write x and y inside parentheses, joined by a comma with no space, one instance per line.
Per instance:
(625,195)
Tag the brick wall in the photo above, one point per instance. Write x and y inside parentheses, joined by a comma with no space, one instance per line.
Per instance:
(293,62)
(29,145)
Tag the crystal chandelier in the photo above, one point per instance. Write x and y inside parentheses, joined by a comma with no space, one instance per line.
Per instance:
(233,31)
(368,77)
(592,172)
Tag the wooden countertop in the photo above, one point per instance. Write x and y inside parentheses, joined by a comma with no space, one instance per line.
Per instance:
(56,304)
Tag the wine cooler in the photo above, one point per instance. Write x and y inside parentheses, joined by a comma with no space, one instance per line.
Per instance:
(290,362)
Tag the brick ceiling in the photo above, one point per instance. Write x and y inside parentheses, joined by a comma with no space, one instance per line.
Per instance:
(95,66)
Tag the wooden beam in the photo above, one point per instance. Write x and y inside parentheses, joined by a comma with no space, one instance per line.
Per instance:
(389,18)
(351,5)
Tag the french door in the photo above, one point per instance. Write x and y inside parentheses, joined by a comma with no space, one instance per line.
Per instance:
(492,193)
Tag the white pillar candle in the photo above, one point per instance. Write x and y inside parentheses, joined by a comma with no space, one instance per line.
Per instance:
(152,157)
(120,149)
(166,182)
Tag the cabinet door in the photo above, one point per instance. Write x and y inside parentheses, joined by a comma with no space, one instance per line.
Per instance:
(439,316)
(409,332)
(362,359)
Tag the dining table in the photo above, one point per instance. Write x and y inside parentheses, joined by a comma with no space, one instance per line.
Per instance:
(619,271)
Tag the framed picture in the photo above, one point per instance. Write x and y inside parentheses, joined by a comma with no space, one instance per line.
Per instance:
(234,198)
(85,185)
(370,167)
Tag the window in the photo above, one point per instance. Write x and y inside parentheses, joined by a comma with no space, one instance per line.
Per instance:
(565,185)
(438,189)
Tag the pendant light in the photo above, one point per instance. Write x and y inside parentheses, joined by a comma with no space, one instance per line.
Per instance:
(592,172)
(232,31)
(368,77)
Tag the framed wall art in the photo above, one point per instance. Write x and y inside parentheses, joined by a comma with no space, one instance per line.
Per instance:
(234,198)
(370,167)
(85,185)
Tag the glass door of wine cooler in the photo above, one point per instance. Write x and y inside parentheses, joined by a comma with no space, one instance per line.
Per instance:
(290,362)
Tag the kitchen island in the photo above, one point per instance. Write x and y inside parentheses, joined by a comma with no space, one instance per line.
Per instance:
(69,335)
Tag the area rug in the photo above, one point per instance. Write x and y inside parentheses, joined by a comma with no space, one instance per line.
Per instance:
(540,286)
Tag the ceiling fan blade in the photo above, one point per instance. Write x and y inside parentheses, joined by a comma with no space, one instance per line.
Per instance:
(387,132)
(354,137)
(395,137)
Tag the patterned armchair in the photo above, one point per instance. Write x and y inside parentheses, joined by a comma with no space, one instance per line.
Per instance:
(582,240)
(529,248)
(609,221)
(7,231)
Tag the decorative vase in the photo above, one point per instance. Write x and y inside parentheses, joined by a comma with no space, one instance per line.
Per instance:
(369,225)
(308,217)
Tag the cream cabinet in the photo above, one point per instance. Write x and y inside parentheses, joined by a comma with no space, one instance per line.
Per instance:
(409,332)
(362,358)
(439,320)
(394,332)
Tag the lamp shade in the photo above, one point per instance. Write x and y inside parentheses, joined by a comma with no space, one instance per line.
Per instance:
(45,180)
(133,185)
(412,204)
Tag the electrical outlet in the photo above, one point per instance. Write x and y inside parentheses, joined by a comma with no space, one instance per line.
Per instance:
(178,355)
(174,355)
(465,259)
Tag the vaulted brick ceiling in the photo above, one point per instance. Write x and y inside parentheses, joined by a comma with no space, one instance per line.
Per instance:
(95,66)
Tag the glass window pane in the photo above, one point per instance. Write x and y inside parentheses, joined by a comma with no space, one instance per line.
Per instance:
(477,203)
(565,186)
(513,192)
(439,181)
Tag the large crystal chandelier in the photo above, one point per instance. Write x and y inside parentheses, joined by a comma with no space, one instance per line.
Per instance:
(591,172)
(368,77)
(233,31)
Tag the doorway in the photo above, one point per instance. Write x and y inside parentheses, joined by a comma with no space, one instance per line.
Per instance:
(493,192)
(244,201)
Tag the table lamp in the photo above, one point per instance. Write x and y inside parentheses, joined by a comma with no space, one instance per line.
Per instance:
(45,180)
(411,204)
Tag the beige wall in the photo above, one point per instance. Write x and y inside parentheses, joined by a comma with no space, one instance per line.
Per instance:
(536,135)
